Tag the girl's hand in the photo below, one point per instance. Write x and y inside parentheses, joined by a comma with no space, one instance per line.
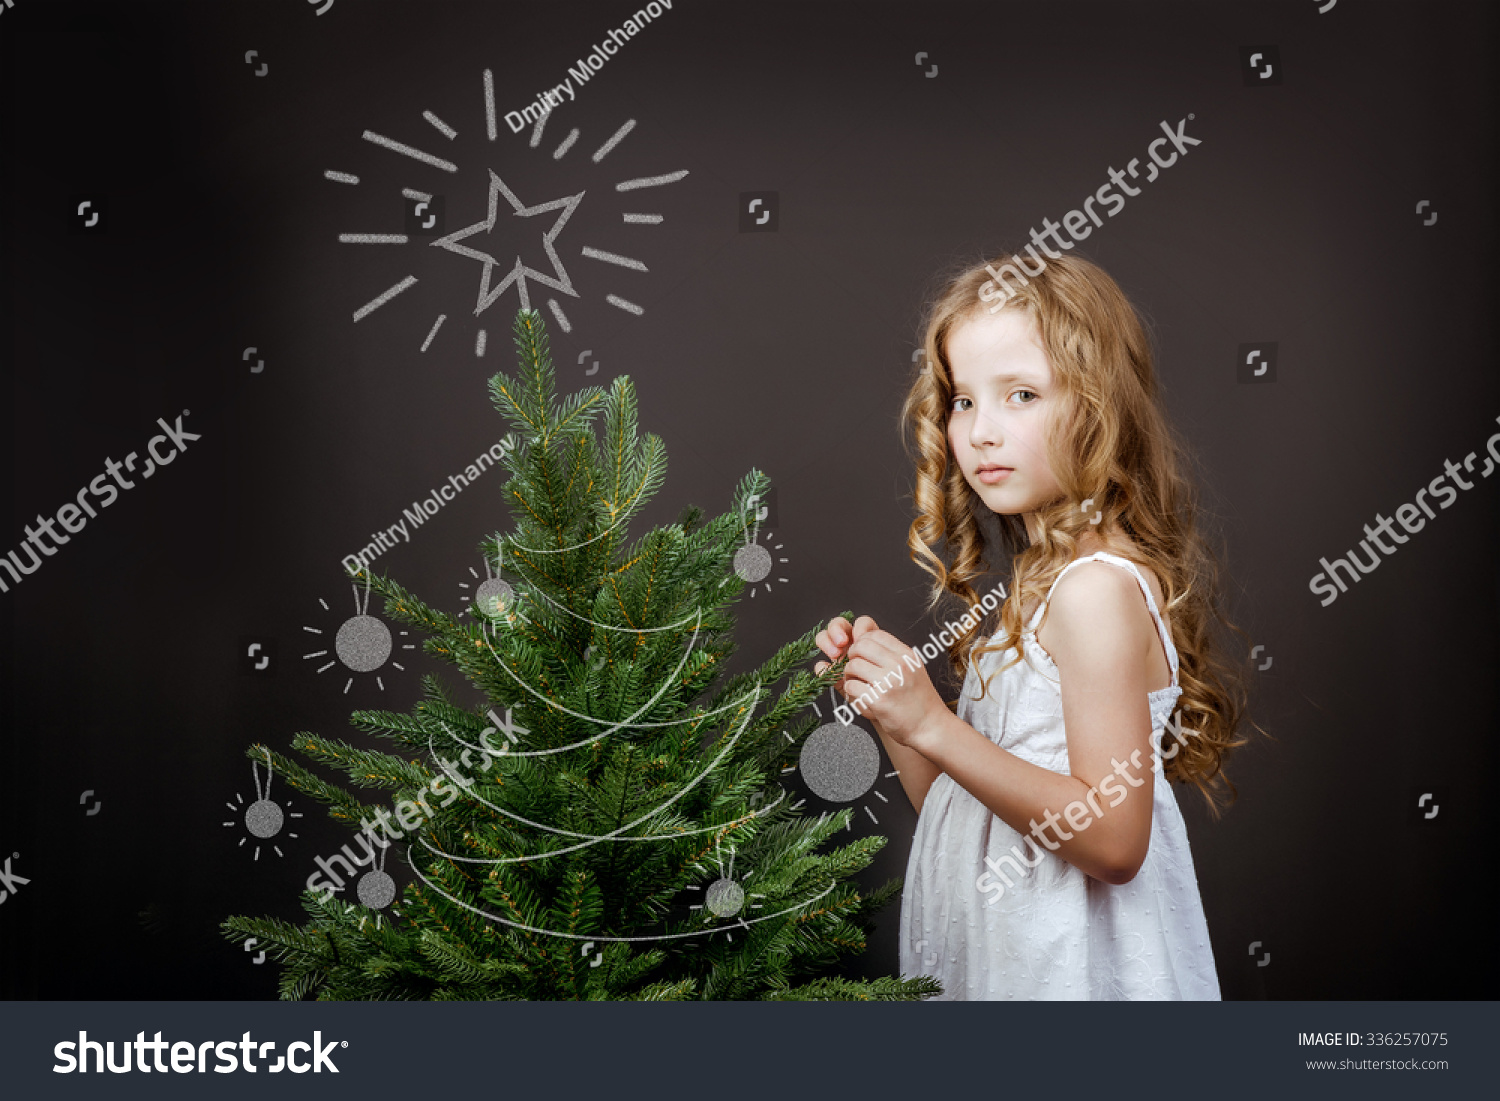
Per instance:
(898,699)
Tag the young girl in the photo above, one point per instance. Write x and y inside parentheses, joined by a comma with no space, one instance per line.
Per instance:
(1050,859)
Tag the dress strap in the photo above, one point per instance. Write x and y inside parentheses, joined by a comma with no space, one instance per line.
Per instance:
(1123,563)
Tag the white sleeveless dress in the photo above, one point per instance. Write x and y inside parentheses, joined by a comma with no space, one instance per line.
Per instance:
(1057,933)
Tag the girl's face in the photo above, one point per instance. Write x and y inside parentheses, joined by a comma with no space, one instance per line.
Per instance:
(1004,403)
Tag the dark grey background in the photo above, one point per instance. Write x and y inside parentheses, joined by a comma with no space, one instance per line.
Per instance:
(1291,223)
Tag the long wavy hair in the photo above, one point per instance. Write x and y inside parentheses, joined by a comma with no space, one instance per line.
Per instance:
(1113,444)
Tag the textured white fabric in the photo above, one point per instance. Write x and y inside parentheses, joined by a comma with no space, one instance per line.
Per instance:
(1057,933)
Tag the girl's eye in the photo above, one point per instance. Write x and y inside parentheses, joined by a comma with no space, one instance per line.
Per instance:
(954,408)
(1031,392)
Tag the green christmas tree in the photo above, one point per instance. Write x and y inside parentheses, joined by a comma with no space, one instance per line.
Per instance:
(627,796)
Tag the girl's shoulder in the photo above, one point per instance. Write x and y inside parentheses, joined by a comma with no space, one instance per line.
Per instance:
(1130,554)
(1114,572)
(1105,599)
(1085,557)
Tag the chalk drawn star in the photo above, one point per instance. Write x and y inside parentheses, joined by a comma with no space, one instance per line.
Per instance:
(520,272)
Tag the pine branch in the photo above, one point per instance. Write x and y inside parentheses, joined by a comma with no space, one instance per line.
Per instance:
(342,806)
(285,942)
(363,767)
(682,991)
(860,990)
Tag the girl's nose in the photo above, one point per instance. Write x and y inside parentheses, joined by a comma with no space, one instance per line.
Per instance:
(984,432)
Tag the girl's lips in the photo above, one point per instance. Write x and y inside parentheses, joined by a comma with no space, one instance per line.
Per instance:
(993,475)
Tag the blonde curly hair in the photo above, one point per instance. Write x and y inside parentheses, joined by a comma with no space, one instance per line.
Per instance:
(1113,445)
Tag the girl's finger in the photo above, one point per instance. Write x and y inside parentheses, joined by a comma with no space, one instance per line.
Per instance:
(880,647)
(834,638)
(854,686)
(865,671)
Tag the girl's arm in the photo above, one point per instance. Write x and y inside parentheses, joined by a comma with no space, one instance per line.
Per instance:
(1098,817)
(915,771)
